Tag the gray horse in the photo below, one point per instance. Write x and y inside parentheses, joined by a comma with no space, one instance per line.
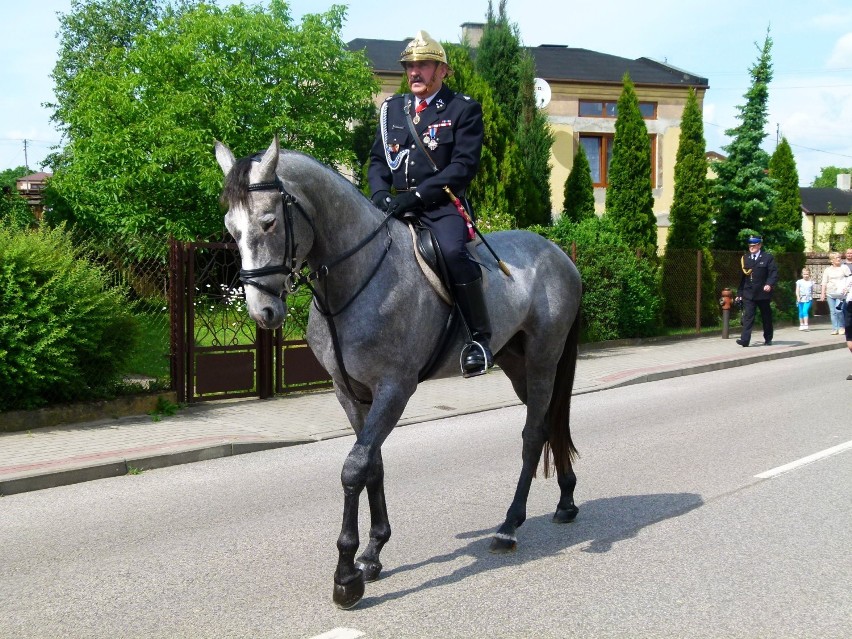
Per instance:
(286,209)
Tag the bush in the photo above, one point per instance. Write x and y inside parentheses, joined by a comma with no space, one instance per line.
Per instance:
(620,291)
(64,333)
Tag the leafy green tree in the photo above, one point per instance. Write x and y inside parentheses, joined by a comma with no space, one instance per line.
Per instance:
(783,225)
(828,177)
(510,70)
(579,202)
(743,189)
(690,227)
(629,199)
(88,34)
(141,122)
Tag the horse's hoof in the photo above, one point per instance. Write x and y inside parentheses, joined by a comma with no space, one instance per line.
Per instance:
(371,570)
(502,544)
(348,595)
(565,515)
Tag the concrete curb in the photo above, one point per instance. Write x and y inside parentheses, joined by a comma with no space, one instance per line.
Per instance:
(131,465)
(718,366)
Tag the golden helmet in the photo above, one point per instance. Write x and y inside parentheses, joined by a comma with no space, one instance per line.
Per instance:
(423,47)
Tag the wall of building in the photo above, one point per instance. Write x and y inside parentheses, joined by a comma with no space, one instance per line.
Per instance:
(817,229)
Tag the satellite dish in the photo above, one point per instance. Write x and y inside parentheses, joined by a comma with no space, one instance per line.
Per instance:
(542,93)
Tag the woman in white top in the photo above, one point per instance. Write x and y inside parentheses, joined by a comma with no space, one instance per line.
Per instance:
(832,281)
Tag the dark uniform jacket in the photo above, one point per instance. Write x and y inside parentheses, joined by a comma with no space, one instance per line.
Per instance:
(450,131)
(756,274)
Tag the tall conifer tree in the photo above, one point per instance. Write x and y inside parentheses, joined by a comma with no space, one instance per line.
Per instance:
(579,202)
(691,211)
(510,70)
(629,200)
(690,227)
(487,191)
(743,189)
(783,225)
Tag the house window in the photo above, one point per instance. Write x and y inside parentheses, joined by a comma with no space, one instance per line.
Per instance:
(598,148)
(609,109)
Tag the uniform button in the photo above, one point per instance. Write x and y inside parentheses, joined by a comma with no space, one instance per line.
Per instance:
(412,162)
(412,146)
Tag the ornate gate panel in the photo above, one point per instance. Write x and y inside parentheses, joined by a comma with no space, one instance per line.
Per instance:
(218,351)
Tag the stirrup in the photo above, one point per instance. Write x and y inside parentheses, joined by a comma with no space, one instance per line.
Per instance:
(465,352)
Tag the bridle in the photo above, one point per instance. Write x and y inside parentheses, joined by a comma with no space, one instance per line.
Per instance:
(291,268)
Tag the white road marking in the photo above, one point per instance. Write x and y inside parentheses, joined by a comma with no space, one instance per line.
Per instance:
(340,633)
(780,470)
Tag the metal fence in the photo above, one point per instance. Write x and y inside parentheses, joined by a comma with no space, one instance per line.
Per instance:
(690,282)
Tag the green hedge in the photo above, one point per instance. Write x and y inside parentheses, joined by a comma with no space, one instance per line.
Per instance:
(64,333)
(621,292)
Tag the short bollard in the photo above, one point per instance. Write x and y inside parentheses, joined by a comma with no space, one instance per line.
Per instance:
(726,302)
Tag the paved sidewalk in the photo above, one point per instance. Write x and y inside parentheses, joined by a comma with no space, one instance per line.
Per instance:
(57,456)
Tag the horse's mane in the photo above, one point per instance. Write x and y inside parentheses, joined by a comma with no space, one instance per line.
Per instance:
(237,182)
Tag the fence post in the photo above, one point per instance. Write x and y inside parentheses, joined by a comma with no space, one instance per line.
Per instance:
(265,344)
(698,291)
(176,319)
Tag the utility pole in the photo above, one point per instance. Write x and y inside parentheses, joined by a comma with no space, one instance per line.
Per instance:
(26,161)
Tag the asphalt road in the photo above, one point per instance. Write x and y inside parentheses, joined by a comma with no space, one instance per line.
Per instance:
(676,537)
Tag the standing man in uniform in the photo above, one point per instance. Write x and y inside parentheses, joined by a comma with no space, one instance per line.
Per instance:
(760,275)
(428,141)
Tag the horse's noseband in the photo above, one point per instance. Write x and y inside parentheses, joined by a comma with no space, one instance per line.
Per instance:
(289,267)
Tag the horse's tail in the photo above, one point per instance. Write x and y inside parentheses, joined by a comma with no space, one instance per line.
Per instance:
(558,417)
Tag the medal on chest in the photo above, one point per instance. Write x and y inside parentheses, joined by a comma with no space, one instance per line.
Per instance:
(429,138)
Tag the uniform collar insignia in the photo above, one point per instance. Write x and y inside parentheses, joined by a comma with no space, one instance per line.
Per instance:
(439,104)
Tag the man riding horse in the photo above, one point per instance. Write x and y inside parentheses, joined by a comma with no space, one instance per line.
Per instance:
(427,152)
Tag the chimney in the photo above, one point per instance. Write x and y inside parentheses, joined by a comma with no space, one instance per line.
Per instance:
(472,33)
(844,181)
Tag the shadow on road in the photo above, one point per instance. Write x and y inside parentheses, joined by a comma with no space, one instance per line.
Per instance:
(601,524)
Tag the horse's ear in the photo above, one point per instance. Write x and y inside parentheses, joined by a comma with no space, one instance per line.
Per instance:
(224,157)
(269,161)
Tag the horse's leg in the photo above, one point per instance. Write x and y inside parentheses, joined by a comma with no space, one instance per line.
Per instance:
(532,377)
(566,511)
(380,531)
(534,438)
(363,466)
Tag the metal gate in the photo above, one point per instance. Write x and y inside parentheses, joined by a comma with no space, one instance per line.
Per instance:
(218,351)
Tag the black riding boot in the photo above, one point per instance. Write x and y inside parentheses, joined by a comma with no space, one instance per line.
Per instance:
(476,356)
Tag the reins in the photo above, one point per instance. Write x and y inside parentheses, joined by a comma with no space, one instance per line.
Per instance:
(292,270)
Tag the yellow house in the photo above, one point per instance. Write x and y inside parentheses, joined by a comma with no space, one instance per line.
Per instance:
(579,89)
(825,214)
